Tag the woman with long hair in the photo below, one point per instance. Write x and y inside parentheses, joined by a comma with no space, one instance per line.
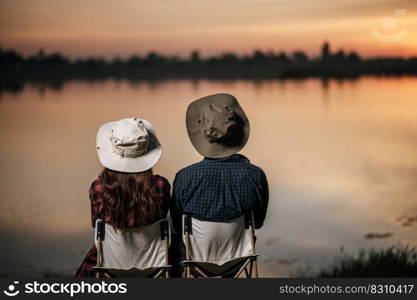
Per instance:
(126,193)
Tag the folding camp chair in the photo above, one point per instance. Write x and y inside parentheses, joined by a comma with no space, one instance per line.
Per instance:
(225,249)
(137,252)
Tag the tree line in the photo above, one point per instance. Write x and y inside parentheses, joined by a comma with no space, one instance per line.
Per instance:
(55,67)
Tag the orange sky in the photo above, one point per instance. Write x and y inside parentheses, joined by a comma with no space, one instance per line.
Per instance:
(125,27)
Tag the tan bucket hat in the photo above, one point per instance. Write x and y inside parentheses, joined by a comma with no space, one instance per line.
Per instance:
(129,145)
(217,126)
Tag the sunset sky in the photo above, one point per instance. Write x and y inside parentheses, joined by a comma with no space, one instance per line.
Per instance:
(108,28)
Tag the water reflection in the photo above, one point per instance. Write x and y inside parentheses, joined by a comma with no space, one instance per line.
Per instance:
(340,158)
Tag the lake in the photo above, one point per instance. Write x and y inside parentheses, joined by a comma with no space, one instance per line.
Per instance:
(340,157)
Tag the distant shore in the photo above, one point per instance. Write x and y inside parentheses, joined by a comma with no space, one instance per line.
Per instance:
(55,69)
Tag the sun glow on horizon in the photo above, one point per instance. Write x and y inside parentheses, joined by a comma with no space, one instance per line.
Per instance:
(122,28)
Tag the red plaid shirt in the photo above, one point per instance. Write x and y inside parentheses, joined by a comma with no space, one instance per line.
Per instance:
(155,209)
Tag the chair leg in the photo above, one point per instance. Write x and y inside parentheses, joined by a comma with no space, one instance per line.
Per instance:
(200,271)
(252,238)
(247,273)
(242,268)
(251,269)
(158,275)
(255,263)
(187,255)
(187,271)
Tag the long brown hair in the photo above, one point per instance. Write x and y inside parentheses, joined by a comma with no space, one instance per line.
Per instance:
(125,193)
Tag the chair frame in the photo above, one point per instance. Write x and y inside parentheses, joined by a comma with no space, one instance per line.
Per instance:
(99,271)
(249,266)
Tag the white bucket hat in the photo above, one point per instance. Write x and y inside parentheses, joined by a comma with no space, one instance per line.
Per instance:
(128,145)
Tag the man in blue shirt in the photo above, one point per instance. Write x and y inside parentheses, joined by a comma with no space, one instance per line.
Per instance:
(224,185)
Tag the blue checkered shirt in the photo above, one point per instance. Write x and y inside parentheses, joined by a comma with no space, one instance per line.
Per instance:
(216,190)
(221,189)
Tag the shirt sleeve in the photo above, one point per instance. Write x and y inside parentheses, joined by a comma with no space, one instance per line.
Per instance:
(262,203)
(96,200)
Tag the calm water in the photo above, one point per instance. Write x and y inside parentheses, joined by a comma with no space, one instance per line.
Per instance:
(340,156)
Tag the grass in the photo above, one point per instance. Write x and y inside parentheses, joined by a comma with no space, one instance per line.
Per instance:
(394,261)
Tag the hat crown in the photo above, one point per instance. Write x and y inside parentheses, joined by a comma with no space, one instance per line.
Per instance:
(217,126)
(129,138)
(217,122)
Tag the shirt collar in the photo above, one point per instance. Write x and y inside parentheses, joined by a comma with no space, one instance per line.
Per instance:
(234,157)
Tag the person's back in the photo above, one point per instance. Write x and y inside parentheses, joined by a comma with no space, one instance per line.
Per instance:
(224,185)
(221,189)
(126,194)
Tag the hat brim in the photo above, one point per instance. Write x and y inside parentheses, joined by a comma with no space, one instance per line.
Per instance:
(126,164)
(199,140)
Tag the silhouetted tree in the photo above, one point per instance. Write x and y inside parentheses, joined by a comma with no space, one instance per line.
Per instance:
(340,56)
(353,57)
(282,58)
(229,58)
(300,57)
(195,56)
(258,56)
(153,58)
(325,51)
